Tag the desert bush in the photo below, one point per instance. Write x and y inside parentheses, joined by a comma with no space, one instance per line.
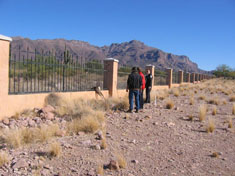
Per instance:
(211,126)
(214,110)
(202,112)
(169,104)
(45,132)
(4,158)
(190,117)
(55,149)
(53,100)
(176,92)
(12,137)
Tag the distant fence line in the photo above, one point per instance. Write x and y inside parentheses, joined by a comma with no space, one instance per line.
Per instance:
(40,72)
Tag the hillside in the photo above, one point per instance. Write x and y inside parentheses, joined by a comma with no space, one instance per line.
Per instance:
(129,53)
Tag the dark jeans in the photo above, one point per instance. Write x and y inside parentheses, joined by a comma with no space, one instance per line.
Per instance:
(133,93)
(141,99)
(148,90)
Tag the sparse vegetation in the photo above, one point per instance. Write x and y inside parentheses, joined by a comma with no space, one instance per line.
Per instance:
(232,98)
(230,123)
(169,104)
(4,158)
(100,170)
(190,117)
(214,110)
(202,112)
(121,161)
(103,144)
(191,101)
(233,110)
(211,126)
(55,149)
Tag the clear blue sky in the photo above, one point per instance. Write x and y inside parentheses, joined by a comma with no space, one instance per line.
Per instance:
(204,30)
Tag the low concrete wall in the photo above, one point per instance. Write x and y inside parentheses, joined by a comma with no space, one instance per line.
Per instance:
(11,104)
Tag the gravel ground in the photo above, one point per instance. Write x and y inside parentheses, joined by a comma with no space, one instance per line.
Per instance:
(156,141)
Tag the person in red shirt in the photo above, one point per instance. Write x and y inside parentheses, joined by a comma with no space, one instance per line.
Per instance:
(141,99)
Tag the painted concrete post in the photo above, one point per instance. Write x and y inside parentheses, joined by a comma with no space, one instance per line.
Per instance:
(181,76)
(110,75)
(169,72)
(152,69)
(188,77)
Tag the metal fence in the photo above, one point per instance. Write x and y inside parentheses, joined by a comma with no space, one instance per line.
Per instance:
(39,71)
(123,72)
(185,77)
(175,77)
(160,77)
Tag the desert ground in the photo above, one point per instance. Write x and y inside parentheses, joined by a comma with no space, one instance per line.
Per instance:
(187,130)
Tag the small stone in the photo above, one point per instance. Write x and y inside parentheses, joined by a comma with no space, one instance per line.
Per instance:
(6,121)
(147,117)
(113,165)
(49,116)
(21,163)
(45,172)
(87,142)
(135,161)
(31,123)
(81,133)
(99,135)
(48,108)
(155,123)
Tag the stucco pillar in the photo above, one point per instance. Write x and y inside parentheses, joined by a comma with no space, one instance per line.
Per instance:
(188,77)
(4,64)
(152,69)
(110,75)
(181,76)
(169,72)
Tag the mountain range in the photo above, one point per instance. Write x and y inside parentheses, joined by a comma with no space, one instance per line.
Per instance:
(132,53)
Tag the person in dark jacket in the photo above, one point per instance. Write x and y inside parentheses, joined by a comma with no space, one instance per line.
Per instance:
(148,85)
(134,83)
(142,88)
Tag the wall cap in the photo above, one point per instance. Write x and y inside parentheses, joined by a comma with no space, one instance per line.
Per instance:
(150,65)
(2,37)
(111,59)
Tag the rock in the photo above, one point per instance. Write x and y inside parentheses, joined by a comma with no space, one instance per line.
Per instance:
(99,135)
(21,163)
(135,161)
(47,109)
(155,123)
(6,121)
(31,123)
(87,142)
(49,116)
(45,172)
(60,133)
(81,133)
(147,117)
(113,165)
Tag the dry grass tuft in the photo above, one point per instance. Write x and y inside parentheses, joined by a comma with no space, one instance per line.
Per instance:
(202,112)
(53,100)
(176,92)
(230,123)
(45,132)
(233,110)
(12,137)
(169,104)
(214,101)
(215,155)
(55,149)
(202,97)
(4,158)
(100,170)
(121,161)
(190,117)
(232,98)
(211,126)
(103,144)
(191,101)
(214,110)
(88,124)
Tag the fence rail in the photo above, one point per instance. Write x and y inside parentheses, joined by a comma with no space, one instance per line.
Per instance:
(39,72)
